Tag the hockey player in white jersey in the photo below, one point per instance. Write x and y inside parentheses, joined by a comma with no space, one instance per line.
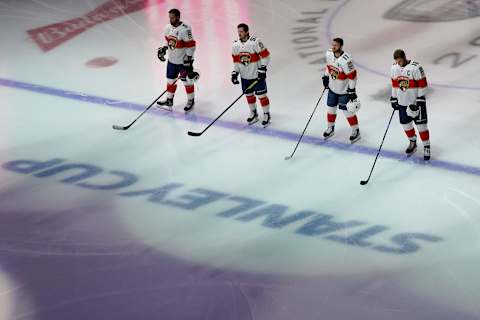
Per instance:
(409,86)
(340,79)
(250,61)
(180,45)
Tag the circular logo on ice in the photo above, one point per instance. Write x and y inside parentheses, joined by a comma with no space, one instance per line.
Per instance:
(434,33)
(434,11)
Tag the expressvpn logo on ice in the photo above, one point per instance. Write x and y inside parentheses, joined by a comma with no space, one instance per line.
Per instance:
(53,35)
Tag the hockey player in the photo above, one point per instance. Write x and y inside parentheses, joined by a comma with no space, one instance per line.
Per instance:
(341,78)
(409,85)
(250,61)
(180,46)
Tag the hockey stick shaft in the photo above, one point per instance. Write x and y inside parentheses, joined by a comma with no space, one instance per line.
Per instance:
(305,129)
(379,149)
(146,109)
(196,134)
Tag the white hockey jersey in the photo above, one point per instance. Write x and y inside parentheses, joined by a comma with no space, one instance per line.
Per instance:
(248,56)
(180,42)
(408,83)
(341,71)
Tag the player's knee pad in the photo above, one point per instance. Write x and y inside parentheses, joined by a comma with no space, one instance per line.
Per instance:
(332,110)
(407,126)
(187,81)
(422,127)
(251,99)
(409,130)
(171,87)
(348,114)
(264,101)
(189,88)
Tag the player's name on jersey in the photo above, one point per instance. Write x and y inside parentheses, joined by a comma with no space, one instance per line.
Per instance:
(304,223)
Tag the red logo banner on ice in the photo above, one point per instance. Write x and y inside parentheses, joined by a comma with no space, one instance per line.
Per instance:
(53,35)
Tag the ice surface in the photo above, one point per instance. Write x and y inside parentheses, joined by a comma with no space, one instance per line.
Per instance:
(151,223)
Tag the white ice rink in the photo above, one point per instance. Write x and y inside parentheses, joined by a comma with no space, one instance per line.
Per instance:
(151,223)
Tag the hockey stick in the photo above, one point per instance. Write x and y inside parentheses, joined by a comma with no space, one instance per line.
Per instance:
(311,116)
(117,127)
(364,182)
(196,134)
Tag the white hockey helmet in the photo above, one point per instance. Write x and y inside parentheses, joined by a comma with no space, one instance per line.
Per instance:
(353,106)
(413,111)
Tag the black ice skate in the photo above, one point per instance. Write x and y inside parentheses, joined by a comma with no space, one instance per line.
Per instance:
(189,105)
(329,132)
(426,153)
(253,118)
(412,147)
(355,136)
(166,104)
(266,119)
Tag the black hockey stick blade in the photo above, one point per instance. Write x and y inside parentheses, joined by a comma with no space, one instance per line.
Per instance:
(306,126)
(364,182)
(194,134)
(117,127)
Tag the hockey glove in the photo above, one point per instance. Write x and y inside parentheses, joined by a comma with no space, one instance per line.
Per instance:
(235,77)
(325,80)
(262,73)
(352,94)
(162,51)
(194,76)
(394,102)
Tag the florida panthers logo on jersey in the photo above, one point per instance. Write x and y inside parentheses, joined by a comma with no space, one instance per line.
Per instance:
(403,83)
(334,73)
(245,58)
(172,42)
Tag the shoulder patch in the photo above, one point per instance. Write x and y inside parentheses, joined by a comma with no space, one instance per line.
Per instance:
(260,44)
(422,72)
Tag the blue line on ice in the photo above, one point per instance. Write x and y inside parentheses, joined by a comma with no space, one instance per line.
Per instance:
(270,132)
